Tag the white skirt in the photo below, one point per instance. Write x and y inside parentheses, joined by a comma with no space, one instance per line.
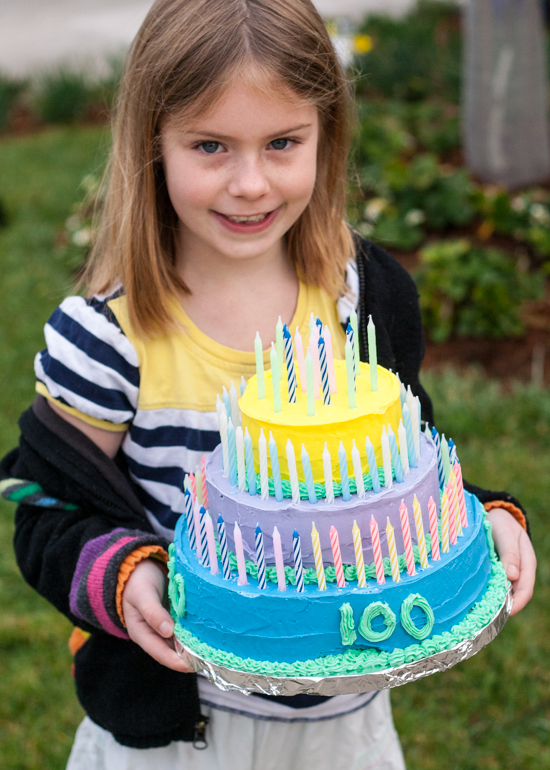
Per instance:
(363,740)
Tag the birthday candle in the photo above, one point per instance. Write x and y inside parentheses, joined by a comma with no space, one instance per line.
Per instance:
(373,355)
(275,470)
(355,327)
(434,533)
(452,452)
(205,559)
(330,360)
(419,525)
(319,325)
(311,323)
(395,456)
(243,385)
(275,381)
(445,458)
(222,422)
(203,483)
(461,500)
(227,402)
(411,451)
(197,520)
(413,405)
(327,469)
(235,411)
(264,478)
(350,337)
(377,551)
(250,469)
(373,468)
(357,470)
(427,430)
(190,520)
(193,485)
(403,452)
(260,558)
(321,580)
(394,562)
(454,504)
(239,441)
(279,564)
(299,345)
(232,453)
(402,394)
(350,374)
(259,354)
(386,459)
(239,553)
(198,485)
(409,556)
(290,373)
(444,523)
(280,350)
(213,556)
(222,536)
(292,472)
(310,384)
(440,468)
(419,426)
(452,519)
(324,372)
(306,465)
(344,478)
(298,568)
(359,563)
(337,556)
(314,350)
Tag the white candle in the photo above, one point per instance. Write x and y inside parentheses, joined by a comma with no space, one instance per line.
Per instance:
(292,472)
(259,355)
(357,470)
(280,348)
(330,360)
(241,473)
(235,411)
(239,553)
(415,426)
(213,556)
(327,468)
(279,563)
(314,350)
(299,345)
(386,459)
(264,478)
(222,422)
(403,451)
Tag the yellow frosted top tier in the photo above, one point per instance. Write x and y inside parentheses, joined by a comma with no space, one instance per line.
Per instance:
(331,424)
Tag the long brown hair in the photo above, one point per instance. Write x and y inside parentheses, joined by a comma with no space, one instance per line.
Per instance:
(181,59)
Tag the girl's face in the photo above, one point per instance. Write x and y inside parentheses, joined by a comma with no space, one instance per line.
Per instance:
(241,174)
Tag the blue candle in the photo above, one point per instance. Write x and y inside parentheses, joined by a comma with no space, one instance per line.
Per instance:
(260,559)
(243,386)
(411,451)
(452,453)
(275,471)
(275,381)
(232,449)
(298,568)
(440,469)
(310,381)
(226,402)
(290,371)
(306,465)
(190,520)
(250,470)
(373,468)
(344,479)
(324,372)
(395,456)
(223,548)
(205,560)
(351,339)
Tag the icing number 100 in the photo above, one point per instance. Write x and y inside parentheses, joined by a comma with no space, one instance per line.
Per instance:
(347,624)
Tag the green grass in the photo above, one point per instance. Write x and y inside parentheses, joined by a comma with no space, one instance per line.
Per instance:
(490,712)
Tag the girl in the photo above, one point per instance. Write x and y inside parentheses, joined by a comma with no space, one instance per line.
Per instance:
(223,210)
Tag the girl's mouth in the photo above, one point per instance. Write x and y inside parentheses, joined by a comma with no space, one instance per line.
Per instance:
(247,224)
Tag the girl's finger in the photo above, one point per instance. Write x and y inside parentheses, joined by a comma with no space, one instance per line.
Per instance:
(158,648)
(523,587)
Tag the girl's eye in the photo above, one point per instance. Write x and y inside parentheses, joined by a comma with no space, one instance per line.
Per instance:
(280,144)
(210,147)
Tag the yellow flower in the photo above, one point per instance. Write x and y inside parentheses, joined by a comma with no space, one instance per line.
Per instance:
(363,43)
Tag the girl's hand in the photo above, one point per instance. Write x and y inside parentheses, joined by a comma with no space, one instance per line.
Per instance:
(516,554)
(148,623)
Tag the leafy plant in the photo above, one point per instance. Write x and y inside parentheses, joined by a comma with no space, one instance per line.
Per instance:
(62,96)
(471,291)
(10,89)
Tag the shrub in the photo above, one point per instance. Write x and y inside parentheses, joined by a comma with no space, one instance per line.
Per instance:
(62,96)
(9,91)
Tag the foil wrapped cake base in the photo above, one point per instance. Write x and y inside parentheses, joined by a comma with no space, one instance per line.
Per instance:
(231,679)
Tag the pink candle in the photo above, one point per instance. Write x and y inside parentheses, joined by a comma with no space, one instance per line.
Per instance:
(409,556)
(299,345)
(455,504)
(434,532)
(197,520)
(193,484)
(330,360)
(452,519)
(203,482)
(461,500)
(378,562)
(314,350)
(213,556)
(279,563)
(335,544)
(239,553)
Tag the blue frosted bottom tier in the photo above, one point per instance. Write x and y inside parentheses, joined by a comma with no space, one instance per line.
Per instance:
(287,626)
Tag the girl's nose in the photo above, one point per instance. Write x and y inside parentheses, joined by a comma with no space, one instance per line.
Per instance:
(248,179)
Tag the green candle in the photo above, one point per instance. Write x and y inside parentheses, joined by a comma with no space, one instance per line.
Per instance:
(259,353)
(280,348)
(275,381)
(350,371)
(355,327)
(310,385)
(373,358)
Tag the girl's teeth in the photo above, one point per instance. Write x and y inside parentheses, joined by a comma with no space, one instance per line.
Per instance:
(242,220)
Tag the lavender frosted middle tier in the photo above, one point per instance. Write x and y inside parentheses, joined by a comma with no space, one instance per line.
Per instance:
(249,511)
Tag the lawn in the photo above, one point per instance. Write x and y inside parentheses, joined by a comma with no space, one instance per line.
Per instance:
(490,712)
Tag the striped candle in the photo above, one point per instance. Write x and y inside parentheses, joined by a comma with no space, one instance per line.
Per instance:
(327,469)
(409,556)
(357,470)
(377,551)
(197,521)
(461,499)
(319,325)
(373,468)
(434,532)
(440,469)
(373,356)
(306,465)
(314,350)
(198,485)
(344,478)
(203,483)
(190,520)
(259,355)
(193,486)
(264,478)
(275,381)
(317,553)
(234,399)
(298,567)
(330,360)
(337,556)
(222,536)
(250,469)
(395,456)
(350,337)
(242,580)
(359,563)
(394,561)
(299,345)
(444,523)
(355,327)
(241,473)
(260,558)
(445,458)
(452,519)
(324,371)
(280,350)
(350,376)
(290,372)
(205,560)
(292,472)
(455,507)
(452,452)
(212,555)
(403,451)
(386,459)
(231,441)
(420,538)
(222,423)
(411,451)
(275,470)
